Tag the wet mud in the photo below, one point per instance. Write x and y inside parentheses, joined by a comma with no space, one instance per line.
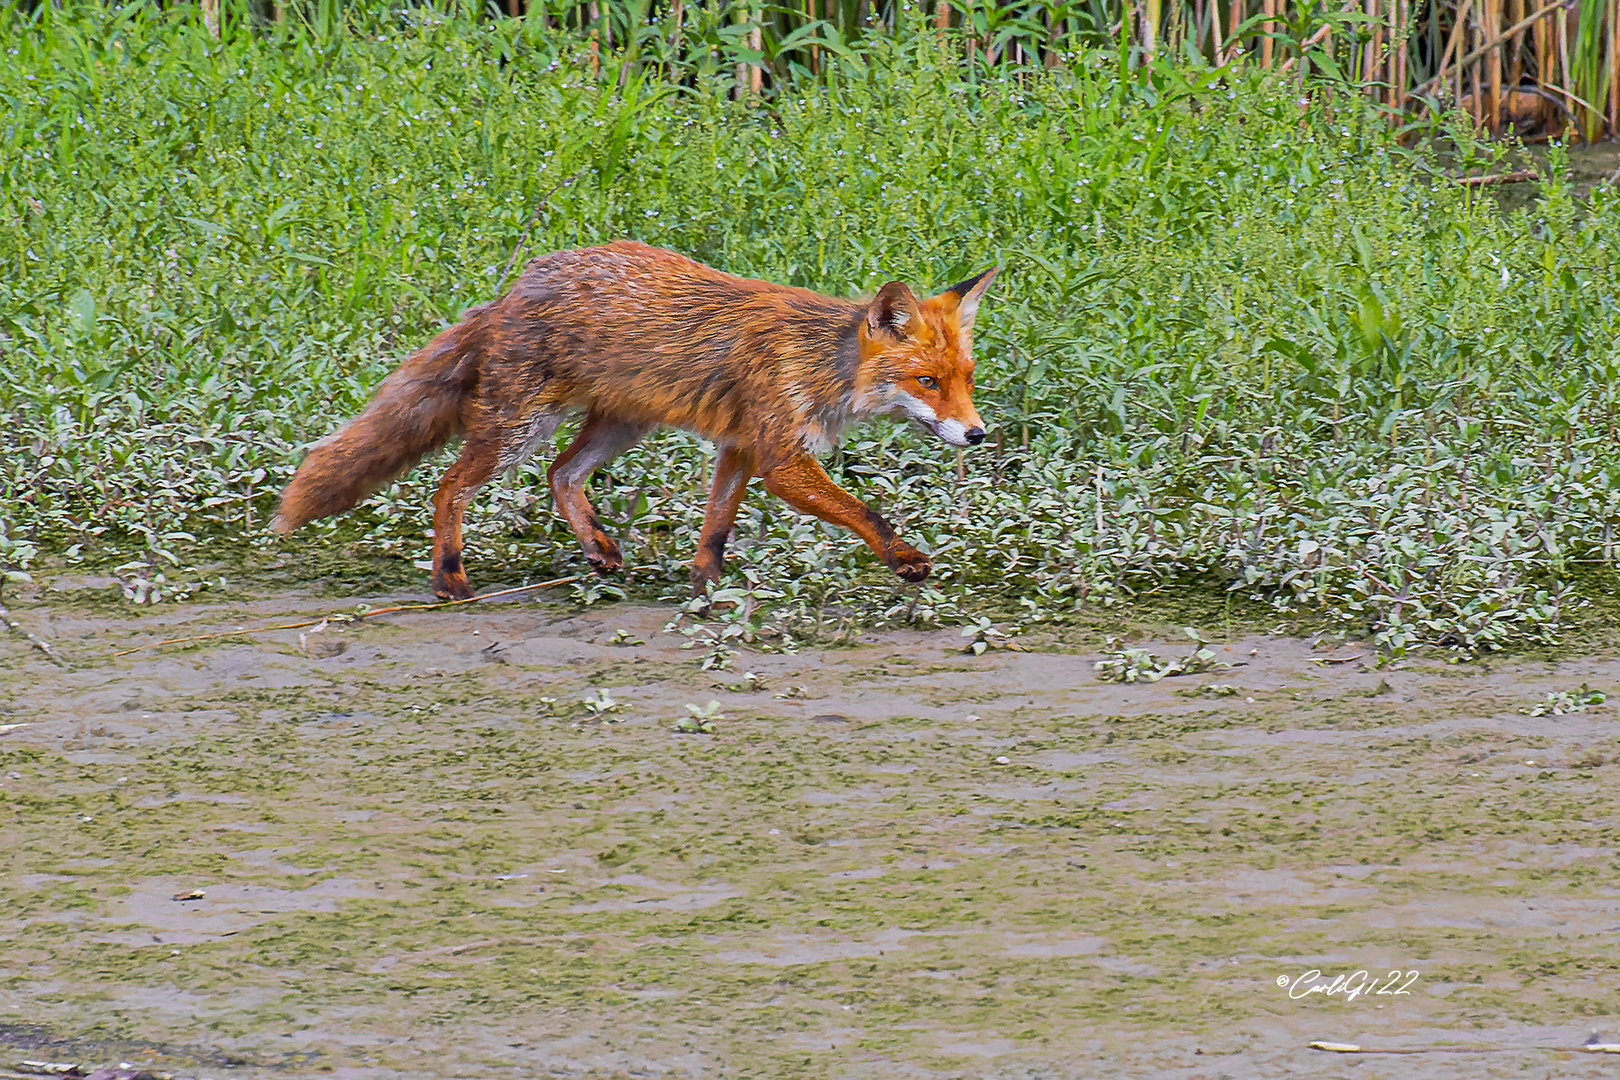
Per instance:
(408,847)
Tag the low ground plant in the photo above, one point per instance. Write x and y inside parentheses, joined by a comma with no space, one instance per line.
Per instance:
(1245,340)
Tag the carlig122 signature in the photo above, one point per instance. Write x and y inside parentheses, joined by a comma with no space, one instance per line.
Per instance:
(1356,984)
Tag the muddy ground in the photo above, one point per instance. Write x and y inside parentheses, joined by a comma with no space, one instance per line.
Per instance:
(411,851)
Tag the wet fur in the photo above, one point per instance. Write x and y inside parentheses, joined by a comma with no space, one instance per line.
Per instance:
(637,337)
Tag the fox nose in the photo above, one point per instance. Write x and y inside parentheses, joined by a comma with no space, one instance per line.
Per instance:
(974,435)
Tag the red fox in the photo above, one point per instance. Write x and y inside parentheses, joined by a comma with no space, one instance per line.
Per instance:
(634,337)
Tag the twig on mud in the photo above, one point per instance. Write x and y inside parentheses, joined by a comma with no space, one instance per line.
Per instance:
(343,617)
(1476,1048)
(1334,659)
(1517,177)
(43,646)
(539,205)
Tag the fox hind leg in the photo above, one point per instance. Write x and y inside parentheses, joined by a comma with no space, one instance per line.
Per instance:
(600,439)
(480,459)
(732,471)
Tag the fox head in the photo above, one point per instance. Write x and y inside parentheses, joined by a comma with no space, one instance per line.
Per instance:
(917,356)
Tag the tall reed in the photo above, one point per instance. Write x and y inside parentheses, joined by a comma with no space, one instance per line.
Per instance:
(1543,68)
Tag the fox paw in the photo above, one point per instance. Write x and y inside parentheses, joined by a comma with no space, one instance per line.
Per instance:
(453,588)
(909,563)
(606,558)
(707,566)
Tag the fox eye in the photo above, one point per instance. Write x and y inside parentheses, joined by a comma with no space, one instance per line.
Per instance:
(928,382)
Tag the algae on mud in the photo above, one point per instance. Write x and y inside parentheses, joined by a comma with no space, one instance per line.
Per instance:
(413,862)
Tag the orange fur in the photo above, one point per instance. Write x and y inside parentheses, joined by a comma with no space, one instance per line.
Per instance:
(637,337)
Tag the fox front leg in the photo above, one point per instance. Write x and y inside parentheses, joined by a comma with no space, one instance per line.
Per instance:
(804,485)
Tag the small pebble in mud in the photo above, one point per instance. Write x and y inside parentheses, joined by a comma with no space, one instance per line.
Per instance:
(1003,761)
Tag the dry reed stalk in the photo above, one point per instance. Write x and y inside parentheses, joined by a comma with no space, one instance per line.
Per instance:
(1267,7)
(739,91)
(1540,22)
(942,13)
(1563,53)
(815,50)
(1614,67)
(594,47)
(1452,42)
(1364,60)
(1493,64)
(210,14)
(1404,20)
(1544,51)
(1233,23)
(677,14)
(1216,41)
(756,72)
(1516,50)
(1372,61)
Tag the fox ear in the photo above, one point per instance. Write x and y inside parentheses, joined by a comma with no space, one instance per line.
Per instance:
(969,293)
(892,309)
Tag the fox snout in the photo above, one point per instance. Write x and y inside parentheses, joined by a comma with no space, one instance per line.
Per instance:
(958,434)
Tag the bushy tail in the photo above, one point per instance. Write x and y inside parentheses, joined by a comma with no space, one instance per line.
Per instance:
(416,410)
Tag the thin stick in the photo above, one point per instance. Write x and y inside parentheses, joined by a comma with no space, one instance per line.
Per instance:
(43,646)
(534,217)
(1474,1048)
(344,617)
(1549,89)
(1503,178)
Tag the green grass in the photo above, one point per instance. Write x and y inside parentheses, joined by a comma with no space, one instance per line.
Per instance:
(1240,338)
